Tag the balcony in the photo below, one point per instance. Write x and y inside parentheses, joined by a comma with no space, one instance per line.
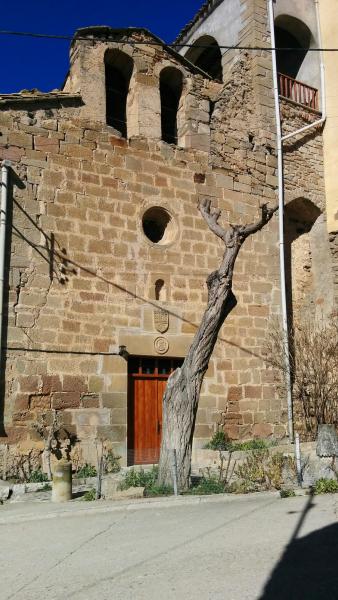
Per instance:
(297,91)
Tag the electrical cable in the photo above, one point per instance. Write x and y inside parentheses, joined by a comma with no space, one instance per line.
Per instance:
(160,43)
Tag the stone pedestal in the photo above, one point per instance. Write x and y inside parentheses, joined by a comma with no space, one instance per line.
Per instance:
(62,482)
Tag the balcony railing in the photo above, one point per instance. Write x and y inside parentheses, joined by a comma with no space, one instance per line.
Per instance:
(297,91)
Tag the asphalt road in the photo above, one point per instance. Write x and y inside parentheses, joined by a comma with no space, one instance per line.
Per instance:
(248,548)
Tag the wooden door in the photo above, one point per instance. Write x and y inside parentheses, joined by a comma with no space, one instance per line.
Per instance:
(147,382)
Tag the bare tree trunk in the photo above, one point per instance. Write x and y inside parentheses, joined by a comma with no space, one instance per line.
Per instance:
(180,400)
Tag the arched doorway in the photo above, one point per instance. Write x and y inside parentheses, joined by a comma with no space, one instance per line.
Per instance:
(298,68)
(307,261)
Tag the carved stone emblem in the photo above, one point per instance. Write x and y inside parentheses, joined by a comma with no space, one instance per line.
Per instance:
(161,345)
(161,320)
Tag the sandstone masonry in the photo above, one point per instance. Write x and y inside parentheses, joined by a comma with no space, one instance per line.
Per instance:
(84,280)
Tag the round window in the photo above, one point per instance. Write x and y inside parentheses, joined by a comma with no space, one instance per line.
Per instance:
(158,225)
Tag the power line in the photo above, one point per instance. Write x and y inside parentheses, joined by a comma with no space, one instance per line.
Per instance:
(58,351)
(108,38)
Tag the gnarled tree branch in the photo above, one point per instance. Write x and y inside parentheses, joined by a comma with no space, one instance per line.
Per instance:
(180,401)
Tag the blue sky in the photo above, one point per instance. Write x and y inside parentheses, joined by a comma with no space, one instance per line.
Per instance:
(43,64)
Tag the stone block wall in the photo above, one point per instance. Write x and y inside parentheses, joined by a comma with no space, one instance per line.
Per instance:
(303,155)
(87,76)
(83,276)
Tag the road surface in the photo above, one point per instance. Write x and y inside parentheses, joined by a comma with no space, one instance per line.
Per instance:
(247,548)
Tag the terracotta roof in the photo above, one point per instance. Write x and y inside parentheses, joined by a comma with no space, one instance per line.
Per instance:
(206,9)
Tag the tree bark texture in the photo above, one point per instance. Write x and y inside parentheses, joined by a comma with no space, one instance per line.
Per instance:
(180,400)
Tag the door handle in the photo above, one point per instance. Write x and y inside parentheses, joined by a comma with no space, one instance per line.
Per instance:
(159,427)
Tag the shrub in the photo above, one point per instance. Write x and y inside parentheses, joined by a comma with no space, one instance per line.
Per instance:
(37,476)
(89,495)
(111,462)
(253,445)
(326,486)
(261,471)
(313,363)
(287,493)
(219,441)
(208,485)
(86,471)
(46,488)
(139,478)
(158,490)
(146,479)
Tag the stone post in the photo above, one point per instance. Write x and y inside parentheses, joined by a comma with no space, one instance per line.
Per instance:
(62,481)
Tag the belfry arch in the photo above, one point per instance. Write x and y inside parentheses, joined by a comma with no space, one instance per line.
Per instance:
(205,53)
(171,84)
(118,71)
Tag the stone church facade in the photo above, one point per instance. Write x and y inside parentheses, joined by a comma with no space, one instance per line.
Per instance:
(107,254)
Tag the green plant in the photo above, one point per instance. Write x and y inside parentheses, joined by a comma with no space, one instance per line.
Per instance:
(139,478)
(37,476)
(287,493)
(240,486)
(86,471)
(219,441)
(146,479)
(208,485)
(252,472)
(255,444)
(261,471)
(46,488)
(111,461)
(89,495)
(325,486)
(158,490)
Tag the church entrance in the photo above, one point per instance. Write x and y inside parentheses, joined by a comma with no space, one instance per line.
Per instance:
(147,380)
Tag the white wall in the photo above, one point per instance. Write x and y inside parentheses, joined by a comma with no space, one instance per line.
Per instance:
(224,24)
(305,11)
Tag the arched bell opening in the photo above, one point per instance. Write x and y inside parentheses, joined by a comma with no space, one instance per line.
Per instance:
(171,84)
(205,53)
(118,71)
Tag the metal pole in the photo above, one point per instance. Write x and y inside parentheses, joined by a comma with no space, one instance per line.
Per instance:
(298,460)
(3,215)
(281,226)
(174,468)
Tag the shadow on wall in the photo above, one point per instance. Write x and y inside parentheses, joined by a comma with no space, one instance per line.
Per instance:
(61,267)
(308,568)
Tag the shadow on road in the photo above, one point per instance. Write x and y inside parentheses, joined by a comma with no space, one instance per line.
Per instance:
(308,569)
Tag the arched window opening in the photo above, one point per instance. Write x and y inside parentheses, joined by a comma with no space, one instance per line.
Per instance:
(171,82)
(291,33)
(160,292)
(205,53)
(158,225)
(118,70)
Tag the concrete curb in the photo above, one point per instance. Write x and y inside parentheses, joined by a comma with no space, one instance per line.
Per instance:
(42,511)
